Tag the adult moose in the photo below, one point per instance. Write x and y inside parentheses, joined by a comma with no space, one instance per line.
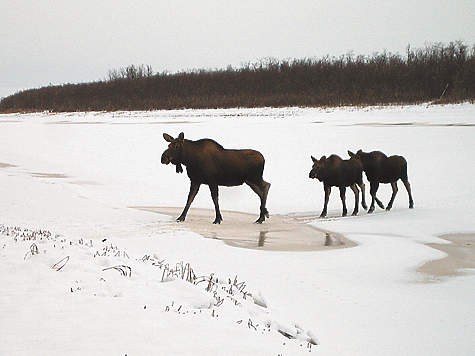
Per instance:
(380,168)
(336,172)
(207,162)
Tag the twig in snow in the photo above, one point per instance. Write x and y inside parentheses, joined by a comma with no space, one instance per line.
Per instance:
(57,266)
(126,271)
(33,251)
(249,325)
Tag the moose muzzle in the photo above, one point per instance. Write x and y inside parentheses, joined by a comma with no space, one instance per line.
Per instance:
(165,158)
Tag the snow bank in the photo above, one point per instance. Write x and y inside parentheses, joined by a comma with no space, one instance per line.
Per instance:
(97,282)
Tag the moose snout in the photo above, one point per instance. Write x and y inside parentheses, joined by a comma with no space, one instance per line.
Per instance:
(312,175)
(165,158)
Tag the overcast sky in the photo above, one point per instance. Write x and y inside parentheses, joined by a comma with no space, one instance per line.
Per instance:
(60,41)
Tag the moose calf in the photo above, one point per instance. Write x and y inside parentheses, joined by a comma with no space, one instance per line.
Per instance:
(380,168)
(207,162)
(336,172)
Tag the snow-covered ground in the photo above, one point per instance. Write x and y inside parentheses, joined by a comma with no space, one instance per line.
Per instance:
(84,273)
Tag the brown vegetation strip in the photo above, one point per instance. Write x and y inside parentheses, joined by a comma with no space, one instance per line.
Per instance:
(437,73)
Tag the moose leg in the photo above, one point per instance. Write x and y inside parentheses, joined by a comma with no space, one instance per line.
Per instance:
(372,190)
(393,196)
(194,187)
(408,188)
(214,195)
(325,204)
(261,189)
(343,200)
(379,202)
(363,200)
(357,198)
(265,191)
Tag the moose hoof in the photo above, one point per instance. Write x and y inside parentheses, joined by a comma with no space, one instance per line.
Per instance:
(217,221)
(180,219)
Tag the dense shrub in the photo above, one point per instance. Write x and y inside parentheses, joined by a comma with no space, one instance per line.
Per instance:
(438,72)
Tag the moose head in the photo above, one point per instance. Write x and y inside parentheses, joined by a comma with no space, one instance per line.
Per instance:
(358,155)
(175,152)
(318,167)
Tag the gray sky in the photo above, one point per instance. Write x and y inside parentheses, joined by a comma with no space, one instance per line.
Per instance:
(57,42)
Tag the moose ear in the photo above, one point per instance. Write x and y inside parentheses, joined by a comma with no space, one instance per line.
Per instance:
(167,137)
(351,154)
(181,137)
(314,159)
(359,152)
(323,159)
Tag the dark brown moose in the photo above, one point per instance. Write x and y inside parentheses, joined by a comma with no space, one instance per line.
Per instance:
(336,172)
(380,168)
(207,162)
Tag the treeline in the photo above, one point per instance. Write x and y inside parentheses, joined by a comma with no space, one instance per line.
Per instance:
(438,72)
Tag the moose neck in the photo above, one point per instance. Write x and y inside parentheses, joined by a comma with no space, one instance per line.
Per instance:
(196,154)
(188,153)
